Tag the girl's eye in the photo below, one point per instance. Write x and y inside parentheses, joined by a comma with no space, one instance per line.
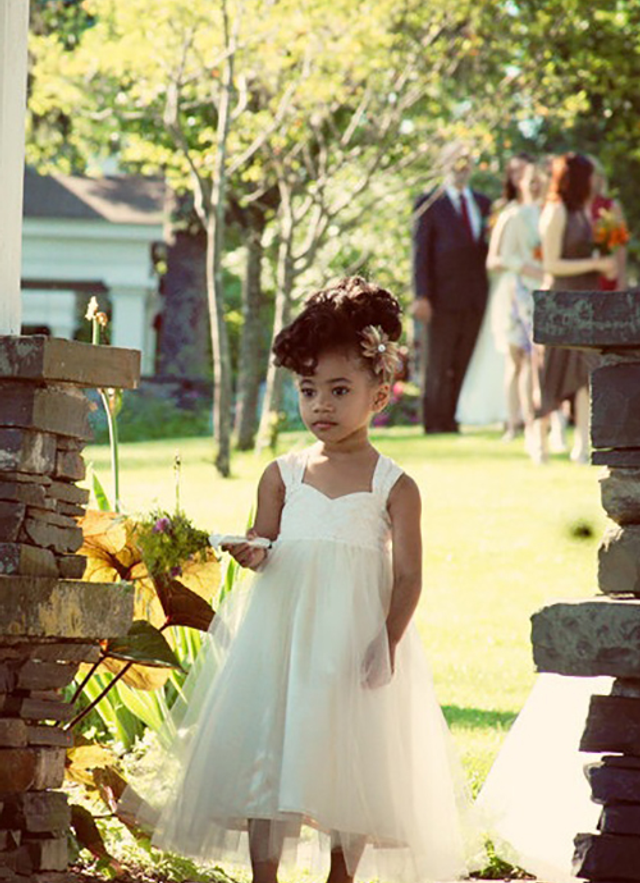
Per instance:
(306,392)
(340,390)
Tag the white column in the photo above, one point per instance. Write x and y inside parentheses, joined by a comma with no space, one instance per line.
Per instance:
(129,317)
(14,21)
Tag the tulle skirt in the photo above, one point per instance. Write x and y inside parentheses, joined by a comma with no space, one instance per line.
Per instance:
(297,731)
(536,797)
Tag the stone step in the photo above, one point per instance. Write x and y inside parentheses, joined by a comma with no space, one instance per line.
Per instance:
(25,451)
(610,784)
(607,857)
(26,560)
(592,319)
(37,812)
(55,409)
(31,769)
(598,636)
(37,357)
(615,407)
(619,561)
(41,607)
(620,819)
(620,495)
(613,724)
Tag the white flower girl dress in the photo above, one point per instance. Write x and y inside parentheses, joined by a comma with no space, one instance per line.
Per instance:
(282,726)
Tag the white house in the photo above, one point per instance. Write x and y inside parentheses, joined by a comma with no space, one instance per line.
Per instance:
(92,236)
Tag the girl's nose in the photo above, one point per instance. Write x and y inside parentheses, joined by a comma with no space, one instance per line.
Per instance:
(322,403)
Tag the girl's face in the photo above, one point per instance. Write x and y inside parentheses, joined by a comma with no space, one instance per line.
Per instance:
(339,399)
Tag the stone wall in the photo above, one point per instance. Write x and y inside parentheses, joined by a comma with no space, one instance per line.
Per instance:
(601,635)
(50,621)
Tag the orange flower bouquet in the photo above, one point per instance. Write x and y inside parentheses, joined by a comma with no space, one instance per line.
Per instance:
(609,233)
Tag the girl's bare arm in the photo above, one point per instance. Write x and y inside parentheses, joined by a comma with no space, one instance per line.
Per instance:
(404,508)
(267,521)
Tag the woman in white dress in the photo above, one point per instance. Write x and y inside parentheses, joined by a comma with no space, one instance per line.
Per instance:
(482,400)
(520,255)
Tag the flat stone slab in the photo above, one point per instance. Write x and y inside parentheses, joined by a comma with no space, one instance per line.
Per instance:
(37,357)
(620,819)
(43,607)
(626,459)
(613,724)
(56,409)
(600,636)
(587,319)
(23,451)
(613,784)
(607,857)
(619,561)
(620,495)
(20,558)
(615,407)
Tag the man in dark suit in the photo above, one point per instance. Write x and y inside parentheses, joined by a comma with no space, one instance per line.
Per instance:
(450,283)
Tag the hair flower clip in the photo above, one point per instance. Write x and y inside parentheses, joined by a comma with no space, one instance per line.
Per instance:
(382,351)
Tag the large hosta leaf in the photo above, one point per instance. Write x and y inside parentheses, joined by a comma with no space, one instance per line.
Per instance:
(82,760)
(181,605)
(110,555)
(202,576)
(89,837)
(143,643)
(139,677)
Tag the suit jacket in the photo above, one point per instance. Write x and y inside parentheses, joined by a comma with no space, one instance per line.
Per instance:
(448,266)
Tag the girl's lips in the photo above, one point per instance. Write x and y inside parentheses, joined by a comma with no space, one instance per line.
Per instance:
(323,424)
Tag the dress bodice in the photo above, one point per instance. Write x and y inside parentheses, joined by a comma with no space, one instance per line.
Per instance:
(577,243)
(359,518)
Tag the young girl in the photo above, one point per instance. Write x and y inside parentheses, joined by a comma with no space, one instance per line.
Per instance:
(321,716)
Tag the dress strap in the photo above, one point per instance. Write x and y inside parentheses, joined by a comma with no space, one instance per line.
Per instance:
(292,467)
(385,476)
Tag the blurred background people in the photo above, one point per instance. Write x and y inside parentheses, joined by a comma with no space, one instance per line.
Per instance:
(450,283)
(600,206)
(520,252)
(569,264)
(482,399)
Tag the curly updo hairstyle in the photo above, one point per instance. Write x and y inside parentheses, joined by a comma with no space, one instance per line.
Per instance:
(333,319)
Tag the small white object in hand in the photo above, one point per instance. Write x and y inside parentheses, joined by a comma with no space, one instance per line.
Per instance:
(221,539)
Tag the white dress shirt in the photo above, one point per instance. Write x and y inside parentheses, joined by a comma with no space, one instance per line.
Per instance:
(475,218)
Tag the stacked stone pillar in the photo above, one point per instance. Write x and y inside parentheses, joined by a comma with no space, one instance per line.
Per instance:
(601,636)
(50,620)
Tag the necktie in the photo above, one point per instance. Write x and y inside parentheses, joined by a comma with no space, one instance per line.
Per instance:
(466,220)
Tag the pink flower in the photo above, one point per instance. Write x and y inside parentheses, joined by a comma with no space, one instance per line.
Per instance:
(162,525)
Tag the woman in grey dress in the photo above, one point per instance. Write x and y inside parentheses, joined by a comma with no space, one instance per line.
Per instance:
(570,264)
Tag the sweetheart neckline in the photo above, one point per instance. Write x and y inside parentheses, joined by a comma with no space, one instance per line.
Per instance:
(339,497)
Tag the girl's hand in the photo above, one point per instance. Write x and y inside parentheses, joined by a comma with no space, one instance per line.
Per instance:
(379,662)
(244,554)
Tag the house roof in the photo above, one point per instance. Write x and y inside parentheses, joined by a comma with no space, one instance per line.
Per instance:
(118,199)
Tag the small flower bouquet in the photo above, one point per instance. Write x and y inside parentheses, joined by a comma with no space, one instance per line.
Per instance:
(167,540)
(609,233)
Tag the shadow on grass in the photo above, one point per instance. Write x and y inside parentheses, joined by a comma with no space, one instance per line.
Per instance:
(477,718)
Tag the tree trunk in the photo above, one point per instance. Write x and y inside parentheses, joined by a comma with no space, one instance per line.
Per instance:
(272,404)
(215,285)
(184,334)
(220,346)
(251,356)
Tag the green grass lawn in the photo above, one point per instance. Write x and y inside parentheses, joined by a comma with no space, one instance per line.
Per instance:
(500,542)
